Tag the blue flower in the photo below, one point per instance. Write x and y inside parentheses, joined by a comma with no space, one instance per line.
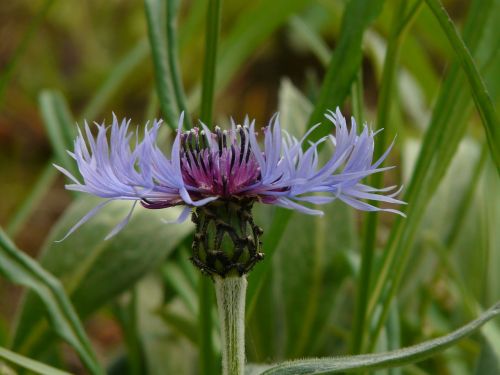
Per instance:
(206,165)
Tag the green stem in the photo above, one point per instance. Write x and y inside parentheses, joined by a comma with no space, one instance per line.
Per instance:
(212,38)
(231,292)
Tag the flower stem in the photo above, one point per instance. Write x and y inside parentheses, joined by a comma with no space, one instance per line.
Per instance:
(231,292)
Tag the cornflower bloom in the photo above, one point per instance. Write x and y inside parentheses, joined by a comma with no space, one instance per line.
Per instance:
(222,173)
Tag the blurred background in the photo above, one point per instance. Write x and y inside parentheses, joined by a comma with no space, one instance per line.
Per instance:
(94,58)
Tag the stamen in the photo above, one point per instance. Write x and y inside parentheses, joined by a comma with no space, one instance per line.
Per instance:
(219,139)
(242,143)
(224,138)
(233,156)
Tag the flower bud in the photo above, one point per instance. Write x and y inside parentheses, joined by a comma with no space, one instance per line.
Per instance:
(226,240)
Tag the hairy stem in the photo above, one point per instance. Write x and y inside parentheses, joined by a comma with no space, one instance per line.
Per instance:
(231,292)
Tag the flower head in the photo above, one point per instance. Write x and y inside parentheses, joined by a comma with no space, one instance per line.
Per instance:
(223,165)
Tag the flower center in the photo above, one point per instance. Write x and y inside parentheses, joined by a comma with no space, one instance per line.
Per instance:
(219,163)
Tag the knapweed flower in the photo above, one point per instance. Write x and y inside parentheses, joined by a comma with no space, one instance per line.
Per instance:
(222,173)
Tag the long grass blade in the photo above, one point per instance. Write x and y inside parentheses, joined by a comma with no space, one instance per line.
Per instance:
(209,66)
(446,128)
(357,17)
(345,60)
(370,226)
(59,125)
(160,61)
(251,30)
(482,99)
(19,268)
(29,364)
(173,60)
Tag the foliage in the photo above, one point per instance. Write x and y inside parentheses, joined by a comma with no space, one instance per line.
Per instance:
(346,283)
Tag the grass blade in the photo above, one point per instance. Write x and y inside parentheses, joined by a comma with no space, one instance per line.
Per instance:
(209,71)
(482,99)
(251,30)
(205,286)
(343,68)
(19,268)
(345,60)
(370,226)
(160,62)
(393,358)
(446,128)
(29,364)
(173,59)
(59,125)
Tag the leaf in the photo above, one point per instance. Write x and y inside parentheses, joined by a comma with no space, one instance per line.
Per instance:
(154,10)
(166,352)
(209,63)
(94,271)
(173,59)
(447,126)
(21,269)
(293,107)
(479,90)
(59,125)
(29,364)
(345,60)
(393,358)
(252,28)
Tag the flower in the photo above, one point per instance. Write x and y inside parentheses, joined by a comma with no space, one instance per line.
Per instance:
(223,165)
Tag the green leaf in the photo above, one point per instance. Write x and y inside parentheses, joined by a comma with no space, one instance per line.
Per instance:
(163,80)
(345,60)
(209,64)
(441,140)
(29,364)
(166,351)
(393,358)
(60,126)
(479,90)
(294,108)
(173,59)
(21,269)
(252,28)
(94,271)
